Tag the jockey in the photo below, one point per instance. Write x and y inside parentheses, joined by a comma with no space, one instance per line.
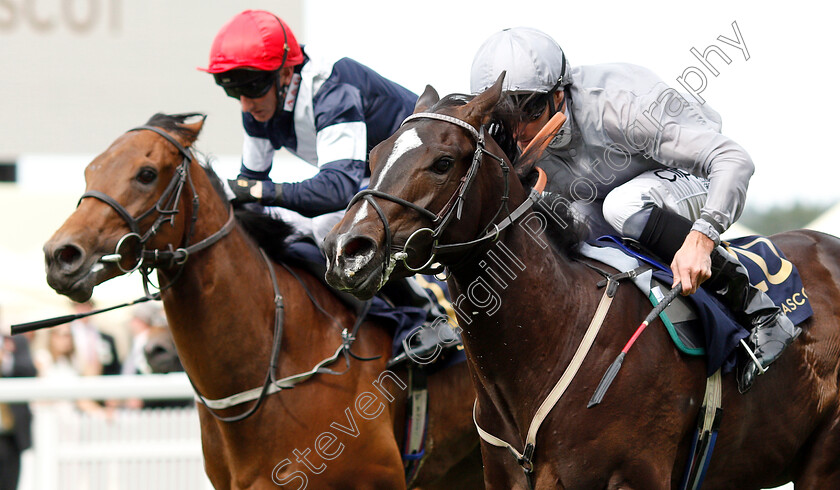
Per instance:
(329,113)
(636,158)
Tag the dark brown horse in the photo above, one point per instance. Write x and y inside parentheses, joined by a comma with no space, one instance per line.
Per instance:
(219,296)
(524,309)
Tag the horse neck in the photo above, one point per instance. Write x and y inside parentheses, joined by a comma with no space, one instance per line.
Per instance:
(221,307)
(523,301)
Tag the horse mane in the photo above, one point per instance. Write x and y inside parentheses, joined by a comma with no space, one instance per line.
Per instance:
(564,230)
(269,233)
(174,123)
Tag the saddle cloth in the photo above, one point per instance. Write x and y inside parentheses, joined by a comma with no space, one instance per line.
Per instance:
(714,332)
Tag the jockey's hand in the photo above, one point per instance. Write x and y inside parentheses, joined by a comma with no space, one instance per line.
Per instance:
(242,191)
(692,263)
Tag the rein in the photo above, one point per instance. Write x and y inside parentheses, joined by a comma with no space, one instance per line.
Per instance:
(148,260)
(452,208)
(166,207)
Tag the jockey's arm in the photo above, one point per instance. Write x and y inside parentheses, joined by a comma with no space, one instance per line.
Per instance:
(342,161)
(691,141)
(342,153)
(728,168)
(331,189)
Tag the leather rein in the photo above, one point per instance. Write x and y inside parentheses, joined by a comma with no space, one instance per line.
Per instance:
(148,260)
(166,208)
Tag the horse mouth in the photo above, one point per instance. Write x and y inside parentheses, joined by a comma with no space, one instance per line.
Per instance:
(360,284)
(77,286)
(361,278)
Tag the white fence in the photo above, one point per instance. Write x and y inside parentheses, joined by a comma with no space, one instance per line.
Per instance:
(149,449)
(127,450)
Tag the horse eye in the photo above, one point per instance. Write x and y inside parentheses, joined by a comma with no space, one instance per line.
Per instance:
(442,165)
(146,175)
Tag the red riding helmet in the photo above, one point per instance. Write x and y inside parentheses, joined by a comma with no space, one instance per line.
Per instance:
(254,39)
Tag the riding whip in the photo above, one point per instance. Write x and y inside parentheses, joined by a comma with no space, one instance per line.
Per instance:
(59,320)
(612,371)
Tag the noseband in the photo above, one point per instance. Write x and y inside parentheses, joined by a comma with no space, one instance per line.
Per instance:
(166,208)
(452,208)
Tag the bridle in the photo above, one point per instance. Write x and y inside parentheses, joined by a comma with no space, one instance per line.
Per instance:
(147,260)
(453,207)
(166,208)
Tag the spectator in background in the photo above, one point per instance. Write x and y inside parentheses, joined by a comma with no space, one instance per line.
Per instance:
(15,418)
(60,360)
(144,317)
(94,347)
(150,330)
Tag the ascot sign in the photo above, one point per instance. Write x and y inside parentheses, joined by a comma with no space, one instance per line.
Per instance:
(78,16)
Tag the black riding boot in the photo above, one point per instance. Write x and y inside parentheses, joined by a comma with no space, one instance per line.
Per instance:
(770,330)
(434,334)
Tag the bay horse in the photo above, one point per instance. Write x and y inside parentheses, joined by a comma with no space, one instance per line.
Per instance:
(525,306)
(234,316)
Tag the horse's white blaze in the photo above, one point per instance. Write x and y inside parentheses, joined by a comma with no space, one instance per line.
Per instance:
(406,142)
(362,214)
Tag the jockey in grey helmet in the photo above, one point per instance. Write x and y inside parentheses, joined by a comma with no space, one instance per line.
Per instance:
(635,157)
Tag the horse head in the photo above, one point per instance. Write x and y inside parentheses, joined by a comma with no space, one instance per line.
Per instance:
(437,184)
(139,199)
(160,351)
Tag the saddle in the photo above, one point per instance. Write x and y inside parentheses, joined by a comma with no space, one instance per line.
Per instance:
(699,324)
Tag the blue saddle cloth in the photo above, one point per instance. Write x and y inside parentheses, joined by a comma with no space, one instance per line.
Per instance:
(722,333)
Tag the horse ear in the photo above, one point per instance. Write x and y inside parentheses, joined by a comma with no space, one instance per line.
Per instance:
(429,98)
(193,124)
(479,110)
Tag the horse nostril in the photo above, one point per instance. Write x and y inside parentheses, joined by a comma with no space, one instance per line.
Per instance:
(357,252)
(68,255)
(359,245)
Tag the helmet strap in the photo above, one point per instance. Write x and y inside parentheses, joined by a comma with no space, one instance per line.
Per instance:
(552,109)
(281,90)
(286,44)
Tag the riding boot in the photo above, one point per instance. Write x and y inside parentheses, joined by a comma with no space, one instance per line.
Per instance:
(770,329)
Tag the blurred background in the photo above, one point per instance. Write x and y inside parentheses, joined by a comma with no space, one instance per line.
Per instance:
(75,74)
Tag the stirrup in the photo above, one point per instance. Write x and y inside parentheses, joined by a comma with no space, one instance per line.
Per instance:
(761,369)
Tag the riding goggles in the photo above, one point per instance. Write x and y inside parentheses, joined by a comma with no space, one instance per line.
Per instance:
(531,106)
(252,84)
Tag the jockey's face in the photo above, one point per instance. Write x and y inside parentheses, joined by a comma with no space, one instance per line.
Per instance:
(535,121)
(263,108)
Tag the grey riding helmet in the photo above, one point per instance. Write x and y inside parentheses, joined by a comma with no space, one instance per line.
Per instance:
(534,62)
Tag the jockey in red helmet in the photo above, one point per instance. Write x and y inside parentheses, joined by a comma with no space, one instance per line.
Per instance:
(330,113)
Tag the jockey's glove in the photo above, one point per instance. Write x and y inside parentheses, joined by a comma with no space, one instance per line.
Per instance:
(245,191)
